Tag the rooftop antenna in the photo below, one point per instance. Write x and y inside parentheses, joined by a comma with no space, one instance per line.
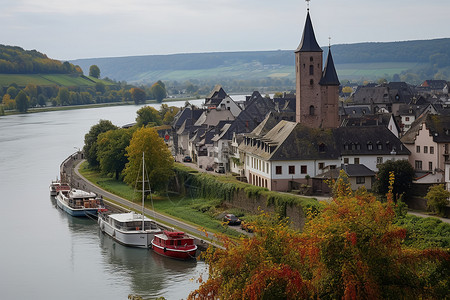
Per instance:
(307,4)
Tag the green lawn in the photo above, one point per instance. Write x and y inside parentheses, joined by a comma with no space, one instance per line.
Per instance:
(190,210)
(49,79)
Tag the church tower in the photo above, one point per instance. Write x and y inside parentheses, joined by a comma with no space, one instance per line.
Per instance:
(317,90)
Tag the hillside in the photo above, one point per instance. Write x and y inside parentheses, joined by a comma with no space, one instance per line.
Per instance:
(353,62)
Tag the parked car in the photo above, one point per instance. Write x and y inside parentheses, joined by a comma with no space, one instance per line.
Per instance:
(187,158)
(209,168)
(220,169)
(231,219)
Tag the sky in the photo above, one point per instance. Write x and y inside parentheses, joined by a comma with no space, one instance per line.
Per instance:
(73,29)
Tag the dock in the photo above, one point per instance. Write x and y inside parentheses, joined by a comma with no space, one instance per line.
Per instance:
(69,170)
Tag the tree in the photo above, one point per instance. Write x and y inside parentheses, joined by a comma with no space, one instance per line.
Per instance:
(12,91)
(111,151)
(138,95)
(170,114)
(148,115)
(8,102)
(94,71)
(100,87)
(63,96)
(90,141)
(158,91)
(437,197)
(404,175)
(349,250)
(22,102)
(158,159)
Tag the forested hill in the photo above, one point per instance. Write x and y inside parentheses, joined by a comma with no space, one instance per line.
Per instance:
(15,60)
(260,64)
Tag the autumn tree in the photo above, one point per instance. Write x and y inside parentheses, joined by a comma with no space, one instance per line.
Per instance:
(158,159)
(94,71)
(349,250)
(168,113)
(8,102)
(148,115)
(437,197)
(111,152)
(138,95)
(21,102)
(90,141)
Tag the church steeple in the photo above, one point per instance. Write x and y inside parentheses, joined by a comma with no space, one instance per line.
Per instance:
(308,42)
(329,76)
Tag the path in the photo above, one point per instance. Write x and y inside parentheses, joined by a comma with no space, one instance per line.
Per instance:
(80,181)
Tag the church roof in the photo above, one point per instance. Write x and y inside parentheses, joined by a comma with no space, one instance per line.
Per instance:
(329,76)
(309,42)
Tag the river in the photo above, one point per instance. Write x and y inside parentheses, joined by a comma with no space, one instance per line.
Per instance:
(46,254)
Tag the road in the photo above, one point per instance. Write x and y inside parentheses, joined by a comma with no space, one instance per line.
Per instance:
(81,182)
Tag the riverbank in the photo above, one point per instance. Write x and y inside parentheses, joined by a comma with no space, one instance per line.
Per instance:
(73,107)
(76,179)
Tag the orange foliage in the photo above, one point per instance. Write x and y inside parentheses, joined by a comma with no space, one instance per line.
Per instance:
(351,250)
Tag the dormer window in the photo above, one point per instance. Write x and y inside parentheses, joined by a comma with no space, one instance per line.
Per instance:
(369,146)
(322,147)
(379,146)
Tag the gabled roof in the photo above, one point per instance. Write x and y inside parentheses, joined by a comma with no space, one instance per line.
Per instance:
(329,75)
(213,117)
(308,42)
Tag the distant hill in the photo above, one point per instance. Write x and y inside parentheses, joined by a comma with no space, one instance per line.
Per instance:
(15,60)
(353,62)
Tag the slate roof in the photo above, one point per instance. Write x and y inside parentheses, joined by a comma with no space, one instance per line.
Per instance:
(329,75)
(369,120)
(294,141)
(438,126)
(351,170)
(308,42)
(356,141)
(213,116)
(369,94)
(216,96)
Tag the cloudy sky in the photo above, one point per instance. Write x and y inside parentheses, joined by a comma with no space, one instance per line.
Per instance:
(71,29)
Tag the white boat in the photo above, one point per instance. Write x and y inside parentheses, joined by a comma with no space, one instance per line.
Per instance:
(56,186)
(130,229)
(79,203)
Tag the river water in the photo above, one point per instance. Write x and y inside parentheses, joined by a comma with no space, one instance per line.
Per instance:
(46,254)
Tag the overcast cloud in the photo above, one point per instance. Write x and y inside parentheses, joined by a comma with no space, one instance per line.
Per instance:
(71,29)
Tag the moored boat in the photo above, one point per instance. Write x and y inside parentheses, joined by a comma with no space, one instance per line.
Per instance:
(56,186)
(79,203)
(175,244)
(129,229)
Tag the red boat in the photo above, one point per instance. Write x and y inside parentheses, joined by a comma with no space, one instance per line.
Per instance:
(174,244)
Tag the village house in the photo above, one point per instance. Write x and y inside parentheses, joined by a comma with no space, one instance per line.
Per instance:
(428,139)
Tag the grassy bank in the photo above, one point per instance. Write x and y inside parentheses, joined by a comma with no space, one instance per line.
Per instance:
(187,209)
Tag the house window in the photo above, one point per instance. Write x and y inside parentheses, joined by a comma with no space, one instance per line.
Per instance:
(278,170)
(303,169)
(291,169)
(311,110)
(267,167)
(425,149)
(406,119)
(418,164)
(346,160)
(322,147)
(430,166)
(360,179)
(321,165)
(356,160)
(311,70)
(369,146)
(311,82)
(431,150)
(379,146)
(379,160)
(417,149)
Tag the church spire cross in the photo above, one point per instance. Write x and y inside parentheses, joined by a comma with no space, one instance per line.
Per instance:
(307,3)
